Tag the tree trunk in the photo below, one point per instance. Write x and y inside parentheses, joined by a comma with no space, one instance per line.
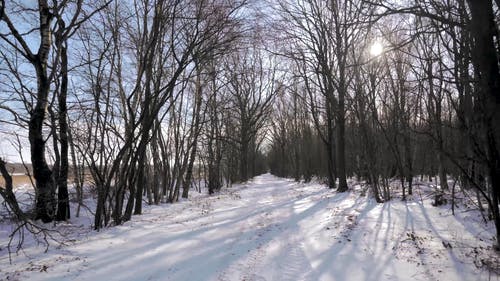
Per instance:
(63,211)
(341,163)
(189,171)
(77,175)
(330,146)
(7,194)
(41,171)
(441,170)
(45,205)
(485,57)
(244,160)
(196,131)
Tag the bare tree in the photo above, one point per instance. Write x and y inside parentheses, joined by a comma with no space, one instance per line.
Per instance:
(36,106)
(251,86)
(323,33)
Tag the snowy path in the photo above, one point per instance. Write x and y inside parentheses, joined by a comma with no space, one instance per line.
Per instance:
(270,229)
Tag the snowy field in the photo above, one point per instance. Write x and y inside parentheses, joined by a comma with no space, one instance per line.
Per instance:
(269,229)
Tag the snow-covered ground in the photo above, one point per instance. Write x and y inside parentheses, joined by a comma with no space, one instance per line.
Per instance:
(270,229)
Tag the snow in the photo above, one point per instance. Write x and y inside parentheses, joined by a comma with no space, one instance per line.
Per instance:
(269,229)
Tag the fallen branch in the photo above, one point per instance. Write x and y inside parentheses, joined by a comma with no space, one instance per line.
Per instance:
(22,220)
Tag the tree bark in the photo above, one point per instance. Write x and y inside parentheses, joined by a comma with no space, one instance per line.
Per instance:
(7,194)
(63,210)
(196,132)
(43,175)
(486,58)
(341,163)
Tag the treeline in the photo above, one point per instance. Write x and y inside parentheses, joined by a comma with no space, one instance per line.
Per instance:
(149,97)
(381,91)
(152,96)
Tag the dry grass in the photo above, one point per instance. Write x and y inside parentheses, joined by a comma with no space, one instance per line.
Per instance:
(17,180)
(20,180)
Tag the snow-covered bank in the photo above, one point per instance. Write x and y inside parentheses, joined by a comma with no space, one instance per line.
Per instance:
(271,229)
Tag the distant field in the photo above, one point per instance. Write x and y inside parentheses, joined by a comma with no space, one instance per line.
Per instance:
(18,172)
(18,180)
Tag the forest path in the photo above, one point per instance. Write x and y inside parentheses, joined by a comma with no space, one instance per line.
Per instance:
(269,229)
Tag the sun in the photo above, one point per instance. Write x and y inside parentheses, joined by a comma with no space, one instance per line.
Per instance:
(376,49)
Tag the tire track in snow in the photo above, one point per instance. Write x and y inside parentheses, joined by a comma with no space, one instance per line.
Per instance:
(246,266)
(294,266)
(293,263)
(260,232)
